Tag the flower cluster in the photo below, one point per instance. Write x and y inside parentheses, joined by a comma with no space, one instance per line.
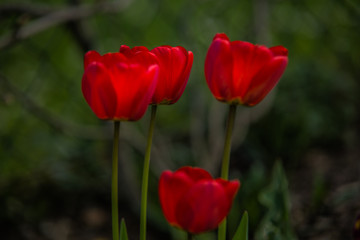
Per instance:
(120,86)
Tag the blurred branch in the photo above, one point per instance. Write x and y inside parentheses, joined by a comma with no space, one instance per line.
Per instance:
(53,121)
(80,34)
(25,8)
(53,18)
(80,31)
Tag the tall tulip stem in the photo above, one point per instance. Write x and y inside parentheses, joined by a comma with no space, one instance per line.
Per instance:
(114,182)
(145,177)
(226,161)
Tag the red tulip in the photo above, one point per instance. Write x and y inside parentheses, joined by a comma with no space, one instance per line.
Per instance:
(192,200)
(175,64)
(117,87)
(243,73)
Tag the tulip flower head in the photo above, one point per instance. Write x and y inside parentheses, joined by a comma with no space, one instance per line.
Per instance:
(239,72)
(175,64)
(193,201)
(118,87)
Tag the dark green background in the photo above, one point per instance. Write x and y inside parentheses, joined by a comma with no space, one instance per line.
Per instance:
(55,154)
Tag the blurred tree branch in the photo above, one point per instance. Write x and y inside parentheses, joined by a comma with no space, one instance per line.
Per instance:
(50,119)
(50,17)
(35,10)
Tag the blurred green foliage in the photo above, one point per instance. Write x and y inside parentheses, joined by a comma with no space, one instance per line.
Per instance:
(55,154)
(276,224)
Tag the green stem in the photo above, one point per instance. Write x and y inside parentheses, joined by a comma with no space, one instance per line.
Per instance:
(227,145)
(226,161)
(114,182)
(145,177)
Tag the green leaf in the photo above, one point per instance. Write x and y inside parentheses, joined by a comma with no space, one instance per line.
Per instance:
(276,224)
(123,231)
(242,230)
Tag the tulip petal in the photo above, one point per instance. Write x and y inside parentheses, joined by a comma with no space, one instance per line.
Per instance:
(195,173)
(178,65)
(279,51)
(130,52)
(145,94)
(111,59)
(175,65)
(126,50)
(230,188)
(221,36)
(144,58)
(180,87)
(163,55)
(265,80)
(218,68)
(248,60)
(241,52)
(91,56)
(203,207)
(98,90)
(135,86)
(172,187)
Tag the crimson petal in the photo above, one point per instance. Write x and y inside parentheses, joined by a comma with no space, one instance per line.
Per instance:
(98,90)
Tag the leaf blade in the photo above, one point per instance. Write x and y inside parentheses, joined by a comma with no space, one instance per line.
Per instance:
(123,231)
(242,230)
